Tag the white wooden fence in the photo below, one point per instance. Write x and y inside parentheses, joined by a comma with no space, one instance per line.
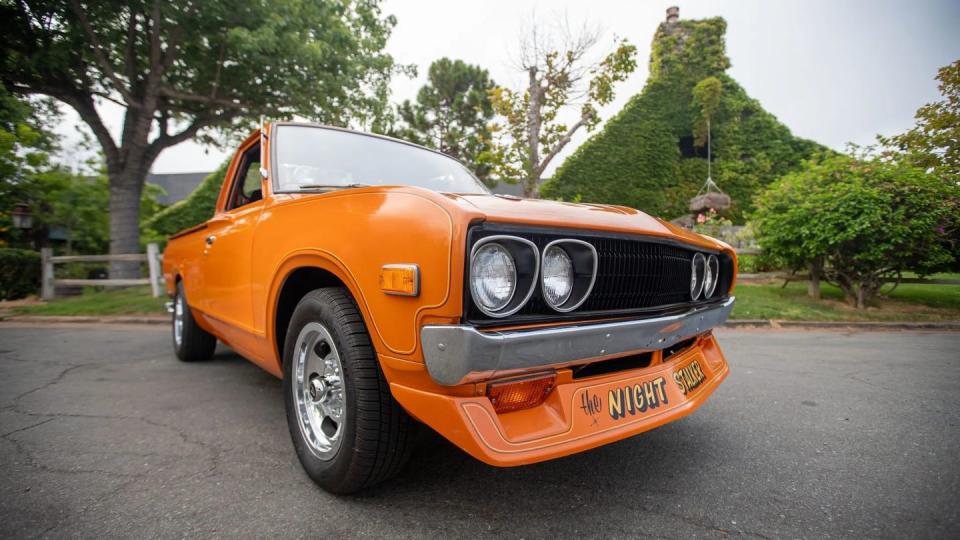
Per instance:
(153,257)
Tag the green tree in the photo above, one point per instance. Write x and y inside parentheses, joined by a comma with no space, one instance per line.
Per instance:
(181,68)
(531,133)
(934,142)
(27,175)
(451,113)
(25,144)
(864,220)
(706,99)
(55,196)
(25,147)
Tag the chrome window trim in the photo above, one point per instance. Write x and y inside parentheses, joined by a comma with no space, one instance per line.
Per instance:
(533,284)
(593,278)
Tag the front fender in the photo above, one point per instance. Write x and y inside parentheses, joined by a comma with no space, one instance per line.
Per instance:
(359,232)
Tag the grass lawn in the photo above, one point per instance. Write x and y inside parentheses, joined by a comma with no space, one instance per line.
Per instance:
(128,301)
(754,301)
(905,303)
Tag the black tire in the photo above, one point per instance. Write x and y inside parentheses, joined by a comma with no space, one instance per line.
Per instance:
(195,343)
(378,435)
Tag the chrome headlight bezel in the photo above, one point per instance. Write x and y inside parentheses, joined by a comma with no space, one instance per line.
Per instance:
(698,265)
(711,276)
(526,265)
(583,257)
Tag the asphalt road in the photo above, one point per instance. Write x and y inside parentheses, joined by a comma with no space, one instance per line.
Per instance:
(814,434)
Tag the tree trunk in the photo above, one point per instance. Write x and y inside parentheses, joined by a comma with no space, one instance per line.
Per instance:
(533,137)
(125,190)
(813,286)
(849,290)
(861,297)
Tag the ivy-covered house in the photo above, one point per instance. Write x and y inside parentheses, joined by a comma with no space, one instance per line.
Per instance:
(648,157)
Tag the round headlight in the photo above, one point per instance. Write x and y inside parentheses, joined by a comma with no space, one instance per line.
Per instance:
(697,271)
(711,277)
(557,276)
(493,277)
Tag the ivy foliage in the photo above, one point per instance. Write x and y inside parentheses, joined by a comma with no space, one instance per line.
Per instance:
(652,155)
(194,210)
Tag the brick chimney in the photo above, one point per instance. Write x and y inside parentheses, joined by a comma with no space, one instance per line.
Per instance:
(673,13)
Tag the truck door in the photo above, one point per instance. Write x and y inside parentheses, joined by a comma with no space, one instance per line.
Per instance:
(226,260)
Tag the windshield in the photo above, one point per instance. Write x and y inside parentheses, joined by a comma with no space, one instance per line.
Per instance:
(316,158)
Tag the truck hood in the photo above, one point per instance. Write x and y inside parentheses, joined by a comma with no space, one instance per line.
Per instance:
(601,217)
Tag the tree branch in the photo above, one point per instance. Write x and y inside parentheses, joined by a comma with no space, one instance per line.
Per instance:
(209,100)
(131,57)
(560,144)
(83,104)
(101,57)
(173,44)
(164,140)
(155,52)
(108,97)
(216,77)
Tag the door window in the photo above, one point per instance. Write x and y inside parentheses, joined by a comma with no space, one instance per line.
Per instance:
(246,184)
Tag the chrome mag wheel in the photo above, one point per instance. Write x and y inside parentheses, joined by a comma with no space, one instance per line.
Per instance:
(318,390)
(178,320)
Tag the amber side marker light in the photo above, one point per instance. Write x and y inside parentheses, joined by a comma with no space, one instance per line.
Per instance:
(520,394)
(400,279)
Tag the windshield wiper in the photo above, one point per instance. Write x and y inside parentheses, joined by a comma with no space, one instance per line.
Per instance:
(330,186)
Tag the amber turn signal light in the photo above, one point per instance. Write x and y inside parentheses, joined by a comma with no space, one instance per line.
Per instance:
(520,394)
(400,279)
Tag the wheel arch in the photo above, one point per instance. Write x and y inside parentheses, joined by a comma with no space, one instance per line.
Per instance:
(298,276)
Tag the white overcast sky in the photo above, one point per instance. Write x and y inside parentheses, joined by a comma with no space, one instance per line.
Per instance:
(832,71)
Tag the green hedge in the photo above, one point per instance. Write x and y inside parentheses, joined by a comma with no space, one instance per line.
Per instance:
(195,209)
(636,159)
(19,273)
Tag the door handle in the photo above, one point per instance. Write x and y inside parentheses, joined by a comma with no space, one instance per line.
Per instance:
(209,243)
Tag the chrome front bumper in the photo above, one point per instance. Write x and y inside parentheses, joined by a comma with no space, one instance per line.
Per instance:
(458,354)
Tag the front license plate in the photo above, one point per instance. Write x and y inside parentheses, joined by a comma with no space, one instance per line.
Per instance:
(610,404)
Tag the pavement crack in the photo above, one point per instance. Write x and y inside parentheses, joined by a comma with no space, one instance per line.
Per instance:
(213,451)
(25,428)
(33,463)
(59,377)
(709,527)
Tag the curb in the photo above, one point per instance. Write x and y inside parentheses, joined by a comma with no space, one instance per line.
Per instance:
(855,325)
(117,319)
(747,323)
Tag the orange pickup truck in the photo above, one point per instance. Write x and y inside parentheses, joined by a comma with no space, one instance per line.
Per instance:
(389,288)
